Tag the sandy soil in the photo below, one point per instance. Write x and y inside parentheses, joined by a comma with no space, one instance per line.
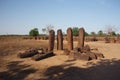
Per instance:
(58,67)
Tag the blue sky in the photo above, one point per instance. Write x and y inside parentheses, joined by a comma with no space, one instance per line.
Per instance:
(20,16)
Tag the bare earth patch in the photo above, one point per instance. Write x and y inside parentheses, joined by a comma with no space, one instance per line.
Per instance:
(58,67)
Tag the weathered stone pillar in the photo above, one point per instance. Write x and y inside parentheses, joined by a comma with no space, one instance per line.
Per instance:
(51,40)
(81,38)
(70,39)
(59,40)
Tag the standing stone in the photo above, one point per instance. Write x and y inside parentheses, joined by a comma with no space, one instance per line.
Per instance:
(59,40)
(70,39)
(51,40)
(81,38)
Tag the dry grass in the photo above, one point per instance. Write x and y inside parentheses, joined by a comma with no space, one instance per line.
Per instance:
(58,67)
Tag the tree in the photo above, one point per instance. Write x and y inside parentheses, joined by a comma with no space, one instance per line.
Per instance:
(111,29)
(75,31)
(117,34)
(93,33)
(100,33)
(34,32)
(113,33)
(47,28)
(43,30)
(86,34)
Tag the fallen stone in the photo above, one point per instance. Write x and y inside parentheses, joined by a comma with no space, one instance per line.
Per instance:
(42,56)
(27,54)
(84,57)
(79,56)
(66,52)
(99,55)
(92,55)
(86,49)
(77,49)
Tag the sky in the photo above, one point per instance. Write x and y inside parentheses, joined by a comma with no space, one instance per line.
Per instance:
(20,16)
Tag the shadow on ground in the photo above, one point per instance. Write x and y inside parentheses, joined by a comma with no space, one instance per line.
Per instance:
(16,71)
(103,70)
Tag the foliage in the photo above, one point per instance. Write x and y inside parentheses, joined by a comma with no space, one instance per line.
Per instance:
(34,32)
(75,31)
(93,33)
(100,33)
(111,30)
(113,33)
(86,34)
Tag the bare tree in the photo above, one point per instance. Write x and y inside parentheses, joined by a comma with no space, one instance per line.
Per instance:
(110,29)
(47,28)
(43,30)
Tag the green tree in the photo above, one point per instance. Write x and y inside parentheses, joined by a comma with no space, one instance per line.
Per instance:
(93,33)
(100,33)
(75,31)
(86,34)
(34,32)
(113,33)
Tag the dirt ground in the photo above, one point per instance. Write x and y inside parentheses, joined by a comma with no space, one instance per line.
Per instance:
(58,67)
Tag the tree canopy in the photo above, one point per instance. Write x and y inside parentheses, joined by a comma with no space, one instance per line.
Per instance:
(93,33)
(34,32)
(75,31)
(100,33)
(86,34)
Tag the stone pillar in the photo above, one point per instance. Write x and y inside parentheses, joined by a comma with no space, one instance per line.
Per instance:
(70,39)
(81,38)
(51,40)
(59,40)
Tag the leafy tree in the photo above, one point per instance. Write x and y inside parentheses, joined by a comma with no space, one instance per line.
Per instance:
(34,32)
(100,33)
(113,33)
(93,33)
(75,31)
(86,34)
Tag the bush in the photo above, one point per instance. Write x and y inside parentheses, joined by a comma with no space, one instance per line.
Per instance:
(34,32)
(75,31)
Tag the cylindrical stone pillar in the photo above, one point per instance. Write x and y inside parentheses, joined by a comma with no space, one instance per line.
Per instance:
(59,40)
(51,40)
(70,39)
(81,38)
